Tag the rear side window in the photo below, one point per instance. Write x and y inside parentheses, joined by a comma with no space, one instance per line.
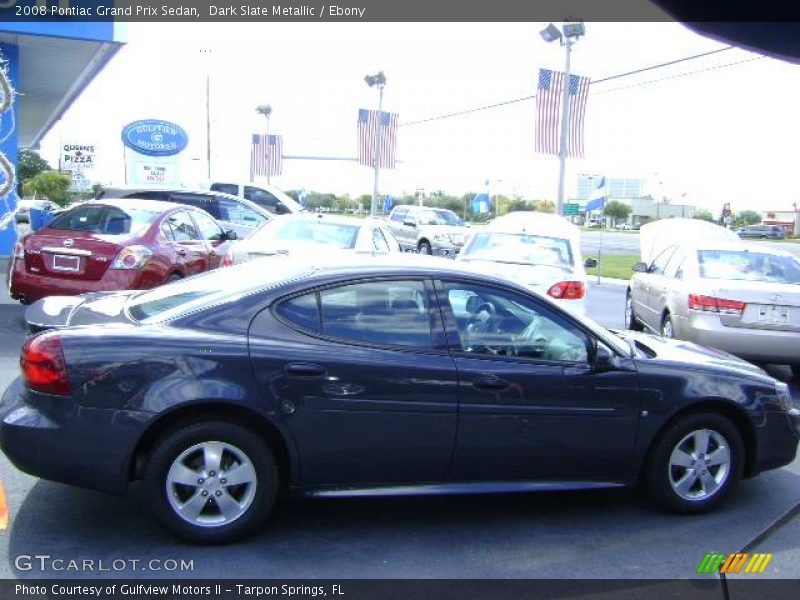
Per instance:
(182,227)
(302,311)
(225,188)
(104,220)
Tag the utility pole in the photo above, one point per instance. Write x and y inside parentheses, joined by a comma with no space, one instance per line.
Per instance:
(379,80)
(208,124)
(562,151)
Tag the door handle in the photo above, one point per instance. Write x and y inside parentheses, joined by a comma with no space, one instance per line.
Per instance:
(490,382)
(304,370)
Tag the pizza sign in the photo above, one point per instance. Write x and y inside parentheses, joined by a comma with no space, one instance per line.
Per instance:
(78,157)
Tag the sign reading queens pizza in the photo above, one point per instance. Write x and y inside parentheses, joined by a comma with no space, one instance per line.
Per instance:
(78,157)
(154,137)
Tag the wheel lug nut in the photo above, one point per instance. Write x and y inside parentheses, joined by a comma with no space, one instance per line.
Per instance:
(218,493)
(223,481)
(200,481)
(204,493)
(212,473)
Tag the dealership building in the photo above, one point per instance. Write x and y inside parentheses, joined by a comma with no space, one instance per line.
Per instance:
(48,65)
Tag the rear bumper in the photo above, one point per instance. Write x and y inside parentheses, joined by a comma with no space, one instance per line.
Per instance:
(757,345)
(89,447)
(30,287)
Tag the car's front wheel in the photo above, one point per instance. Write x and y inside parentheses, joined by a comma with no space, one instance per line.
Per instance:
(424,248)
(211,482)
(667,329)
(695,463)
(630,317)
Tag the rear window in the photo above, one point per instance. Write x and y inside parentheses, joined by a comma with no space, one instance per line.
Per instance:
(215,287)
(105,220)
(748,266)
(311,230)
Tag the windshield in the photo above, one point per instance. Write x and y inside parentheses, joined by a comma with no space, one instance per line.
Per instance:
(439,217)
(105,220)
(214,287)
(340,235)
(748,266)
(519,248)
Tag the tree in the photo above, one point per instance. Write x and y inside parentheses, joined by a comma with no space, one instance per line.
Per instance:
(704,215)
(29,165)
(746,217)
(547,206)
(48,184)
(617,210)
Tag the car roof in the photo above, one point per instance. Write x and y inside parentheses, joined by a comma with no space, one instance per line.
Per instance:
(110,192)
(148,205)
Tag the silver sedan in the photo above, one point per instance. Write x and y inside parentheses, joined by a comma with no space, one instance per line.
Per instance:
(743,299)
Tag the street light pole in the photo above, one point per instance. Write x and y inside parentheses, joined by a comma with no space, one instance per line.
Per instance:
(562,152)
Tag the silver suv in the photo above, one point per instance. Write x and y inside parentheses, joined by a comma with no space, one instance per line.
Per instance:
(428,230)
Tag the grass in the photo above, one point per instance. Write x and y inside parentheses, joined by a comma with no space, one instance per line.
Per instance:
(617,266)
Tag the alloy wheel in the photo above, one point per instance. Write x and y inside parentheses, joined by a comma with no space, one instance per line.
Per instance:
(699,465)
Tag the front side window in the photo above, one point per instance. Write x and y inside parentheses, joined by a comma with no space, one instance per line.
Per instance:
(209,229)
(399,214)
(431,216)
(384,313)
(265,200)
(493,322)
(660,262)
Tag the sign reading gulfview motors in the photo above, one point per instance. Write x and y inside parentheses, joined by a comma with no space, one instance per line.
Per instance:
(153,137)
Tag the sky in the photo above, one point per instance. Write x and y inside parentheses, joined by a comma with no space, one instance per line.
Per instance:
(699,130)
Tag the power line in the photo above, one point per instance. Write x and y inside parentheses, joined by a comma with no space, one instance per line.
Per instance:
(524,98)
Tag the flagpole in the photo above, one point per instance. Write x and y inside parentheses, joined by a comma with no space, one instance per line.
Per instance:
(562,152)
(374,206)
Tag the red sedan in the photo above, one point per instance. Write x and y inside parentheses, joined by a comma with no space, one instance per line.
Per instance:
(115,245)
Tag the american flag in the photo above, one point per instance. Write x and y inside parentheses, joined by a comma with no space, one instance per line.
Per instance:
(367,130)
(549,99)
(266,159)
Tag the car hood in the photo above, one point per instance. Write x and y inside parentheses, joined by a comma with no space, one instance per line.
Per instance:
(694,356)
(54,312)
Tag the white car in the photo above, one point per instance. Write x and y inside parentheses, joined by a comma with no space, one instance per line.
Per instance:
(267,197)
(314,235)
(538,250)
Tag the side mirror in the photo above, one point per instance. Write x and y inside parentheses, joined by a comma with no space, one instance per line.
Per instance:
(230,234)
(640,267)
(410,223)
(590,263)
(604,359)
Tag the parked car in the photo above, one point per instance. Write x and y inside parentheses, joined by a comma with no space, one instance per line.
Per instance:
(115,245)
(22,214)
(308,234)
(537,250)
(720,293)
(428,230)
(387,375)
(766,232)
(267,197)
(237,214)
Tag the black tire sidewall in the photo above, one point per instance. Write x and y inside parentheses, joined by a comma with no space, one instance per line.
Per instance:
(630,322)
(173,444)
(425,248)
(657,478)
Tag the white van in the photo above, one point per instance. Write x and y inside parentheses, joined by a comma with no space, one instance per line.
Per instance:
(537,250)
(267,197)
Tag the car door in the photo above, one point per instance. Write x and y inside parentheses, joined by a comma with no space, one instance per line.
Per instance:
(396,222)
(365,382)
(662,285)
(191,251)
(531,404)
(214,236)
(642,288)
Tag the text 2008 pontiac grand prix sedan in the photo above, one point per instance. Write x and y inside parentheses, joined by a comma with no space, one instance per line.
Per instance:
(391,375)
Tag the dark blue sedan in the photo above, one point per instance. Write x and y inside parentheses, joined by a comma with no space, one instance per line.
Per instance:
(385,376)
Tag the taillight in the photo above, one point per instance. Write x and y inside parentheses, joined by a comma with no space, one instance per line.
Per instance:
(132,257)
(19,250)
(43,366)
(717,305)
(567,290)
(227,260)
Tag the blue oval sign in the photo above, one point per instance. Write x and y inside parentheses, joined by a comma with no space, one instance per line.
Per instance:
(154,137)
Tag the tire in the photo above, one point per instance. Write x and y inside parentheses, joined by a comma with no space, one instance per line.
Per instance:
(424,247)
(630,318)
(173,277)
(186,447)
(667,329)
(677,444)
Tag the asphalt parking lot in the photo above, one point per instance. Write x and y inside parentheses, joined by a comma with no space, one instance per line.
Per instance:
(609,534)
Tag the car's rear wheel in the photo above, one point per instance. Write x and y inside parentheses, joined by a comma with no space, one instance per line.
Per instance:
(695,463)
(174,277)
(667,329)
(424,248)
(211,482)
(630,317)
